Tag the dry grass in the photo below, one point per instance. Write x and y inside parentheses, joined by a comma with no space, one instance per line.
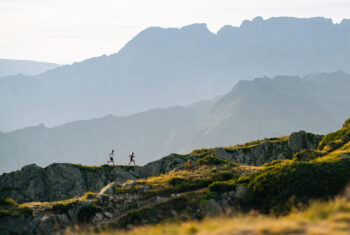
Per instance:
(321,218)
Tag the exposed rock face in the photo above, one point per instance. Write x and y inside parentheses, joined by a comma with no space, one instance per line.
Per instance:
(257,155)
(59,181)
(270,149)
(63,181)
(303,140)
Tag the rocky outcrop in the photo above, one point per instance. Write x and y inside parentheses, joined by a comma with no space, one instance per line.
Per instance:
(270,149)
(302,140)
(60,181)
(256,155)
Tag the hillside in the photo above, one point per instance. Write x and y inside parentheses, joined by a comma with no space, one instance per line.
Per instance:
(27,67)
(276,175)
(316,103)
(175,66)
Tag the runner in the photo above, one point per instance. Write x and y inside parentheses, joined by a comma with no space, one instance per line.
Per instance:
(131,156)
(111,155)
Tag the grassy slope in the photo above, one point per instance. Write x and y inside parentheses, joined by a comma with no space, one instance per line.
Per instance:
(277,187)
(320,218)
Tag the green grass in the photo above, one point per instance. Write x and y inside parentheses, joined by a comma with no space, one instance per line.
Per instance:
(274,187)
(213,161)
(223,186)
(8,207)
(335,139)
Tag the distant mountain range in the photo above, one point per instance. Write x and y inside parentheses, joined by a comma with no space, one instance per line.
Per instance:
(166,67)
(27,67)
(254,109)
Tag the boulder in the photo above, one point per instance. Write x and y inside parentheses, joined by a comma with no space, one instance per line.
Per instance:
(303,140)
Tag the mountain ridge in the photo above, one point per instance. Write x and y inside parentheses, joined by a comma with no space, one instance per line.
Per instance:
(167,67)
(248,111)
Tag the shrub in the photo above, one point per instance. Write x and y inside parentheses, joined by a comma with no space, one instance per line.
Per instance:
(223,186)
(9,207)
(346,123)
(8,202)
(86,213)
(90,195)
(176,180)
(225,175)
(306,155)
(274,186)
(192,185)
(274,162)
(335,140)
(210,160)
(244,179)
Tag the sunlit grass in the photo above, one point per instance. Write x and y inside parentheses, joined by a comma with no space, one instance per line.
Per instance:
(331,217)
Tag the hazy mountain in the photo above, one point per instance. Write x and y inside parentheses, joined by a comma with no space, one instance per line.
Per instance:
(254,109)
(165,67)
(271,107)
(14,67)
(149,134)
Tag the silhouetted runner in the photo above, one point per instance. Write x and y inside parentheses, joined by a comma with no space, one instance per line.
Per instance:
(131,156)
(111,155)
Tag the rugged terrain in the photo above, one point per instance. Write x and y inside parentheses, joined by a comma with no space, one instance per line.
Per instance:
(262,108)
(162,67)
(270,175)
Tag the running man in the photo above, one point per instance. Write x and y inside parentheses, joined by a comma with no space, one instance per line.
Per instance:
(131,156)
(111,155)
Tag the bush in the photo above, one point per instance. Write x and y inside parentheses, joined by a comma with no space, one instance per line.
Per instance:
(90,195)
(176,180)
(346,123)
(274,162)
(306,155)
(86,213)
(223,186)
(335,140)
(192,185)
(8,202)
(9,207)
(210,160)
(225,175)
(273,187)
(244,179)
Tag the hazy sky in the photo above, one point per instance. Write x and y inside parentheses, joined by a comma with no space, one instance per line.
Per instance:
(64,31)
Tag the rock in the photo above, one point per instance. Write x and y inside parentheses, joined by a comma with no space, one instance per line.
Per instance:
(281,156)
(63,219)
(344,155)
(241,191)
(146,188)
(223,154)
(159,199)
(99,216)
(46,224)
(173,213)
(212,208)
(303,140)
(108,189)
(129,184)
(108,214)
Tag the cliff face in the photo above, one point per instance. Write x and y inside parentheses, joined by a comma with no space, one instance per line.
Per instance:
(60,181)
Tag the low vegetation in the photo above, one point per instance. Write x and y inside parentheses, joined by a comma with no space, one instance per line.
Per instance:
(335,139)
(320,218)
(8,207)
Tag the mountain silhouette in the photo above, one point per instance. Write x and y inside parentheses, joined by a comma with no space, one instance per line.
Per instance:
(175,66)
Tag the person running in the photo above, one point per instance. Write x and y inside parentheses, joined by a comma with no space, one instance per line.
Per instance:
(131,156)
(111,155)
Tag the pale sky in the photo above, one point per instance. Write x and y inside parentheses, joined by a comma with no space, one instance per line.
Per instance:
(66,31)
